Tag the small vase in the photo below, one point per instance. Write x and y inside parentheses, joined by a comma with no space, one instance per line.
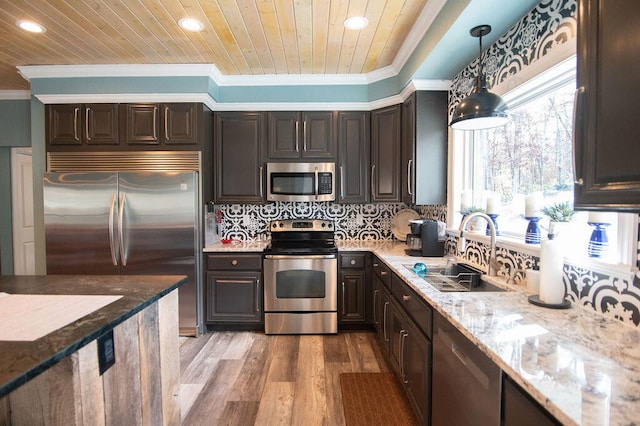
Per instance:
(599,241)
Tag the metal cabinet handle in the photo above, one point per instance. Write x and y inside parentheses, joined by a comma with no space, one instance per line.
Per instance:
(297,137)
(373,169)
(76,111)
(261,182)
(304,136)
(375,311)
(406,298)
(384,321)
(155,122)
(409,163)
(166,123)
(113,243)
(316,176)
(353,261)
(344,312)
(341,183)
(403,335)
(234,262)
(375,265)
(577,124)
(383,273)
(123,254)
(258,293)
(86,123)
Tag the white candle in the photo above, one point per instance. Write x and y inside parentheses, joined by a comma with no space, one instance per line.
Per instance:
(465,200)
(493,204)
(551,263)
(532,205)
(599,217)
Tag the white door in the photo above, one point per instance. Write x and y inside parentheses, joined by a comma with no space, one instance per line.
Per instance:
(22,212)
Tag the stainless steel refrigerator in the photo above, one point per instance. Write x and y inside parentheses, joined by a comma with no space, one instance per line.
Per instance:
(127,223)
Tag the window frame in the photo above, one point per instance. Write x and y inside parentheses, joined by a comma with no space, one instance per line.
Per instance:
(537,85)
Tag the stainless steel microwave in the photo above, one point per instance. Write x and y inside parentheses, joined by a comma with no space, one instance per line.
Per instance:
(301,182)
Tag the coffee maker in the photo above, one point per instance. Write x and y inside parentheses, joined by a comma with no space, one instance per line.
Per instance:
(423,240)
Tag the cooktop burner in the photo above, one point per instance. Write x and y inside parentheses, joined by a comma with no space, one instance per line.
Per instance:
(302,236)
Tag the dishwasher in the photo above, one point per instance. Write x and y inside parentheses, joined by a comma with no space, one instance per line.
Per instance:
(465,382)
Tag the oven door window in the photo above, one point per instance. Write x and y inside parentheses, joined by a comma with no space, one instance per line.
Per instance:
(300,284)
(293,184)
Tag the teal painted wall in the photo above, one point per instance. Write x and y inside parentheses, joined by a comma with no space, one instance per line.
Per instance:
(15,119)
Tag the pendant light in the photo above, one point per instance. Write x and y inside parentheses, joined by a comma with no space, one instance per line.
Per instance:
(481,109)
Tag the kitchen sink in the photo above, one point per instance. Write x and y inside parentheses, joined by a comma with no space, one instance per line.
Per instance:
(456,278)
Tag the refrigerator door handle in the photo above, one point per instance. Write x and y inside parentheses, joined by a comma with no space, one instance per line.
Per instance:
(113,244)
(123,254)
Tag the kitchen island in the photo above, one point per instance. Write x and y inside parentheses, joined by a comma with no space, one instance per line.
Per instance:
(59,378)
(581,366)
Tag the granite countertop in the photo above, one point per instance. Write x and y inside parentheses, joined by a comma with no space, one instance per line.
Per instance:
(23,360)
(583,367)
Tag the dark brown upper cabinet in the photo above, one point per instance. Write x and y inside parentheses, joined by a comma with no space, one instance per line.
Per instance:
(100,127)
(424,148)
(307,134)
(161,124)
(353,156)
(238,142)
(606,128)
(70,125)
(385,154)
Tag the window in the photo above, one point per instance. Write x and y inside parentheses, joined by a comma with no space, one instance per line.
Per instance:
(531,154)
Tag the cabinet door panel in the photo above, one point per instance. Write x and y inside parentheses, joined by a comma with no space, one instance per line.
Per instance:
(238,141)
(234,296)
(180,124)
(101,124)
(417,372)
(352,297)
(353,156)
(607,129)
(142,124)
(284,134)
(385,154)
(64,124)
(318,139)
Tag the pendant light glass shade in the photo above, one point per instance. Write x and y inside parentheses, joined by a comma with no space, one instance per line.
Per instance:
(481,109)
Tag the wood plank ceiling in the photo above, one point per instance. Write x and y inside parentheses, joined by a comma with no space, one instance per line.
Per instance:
(240,37)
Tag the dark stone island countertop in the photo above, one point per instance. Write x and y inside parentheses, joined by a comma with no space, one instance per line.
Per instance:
(21,361)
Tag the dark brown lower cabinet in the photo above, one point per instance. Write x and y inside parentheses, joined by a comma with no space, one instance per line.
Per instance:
(405,341)
(519,409)
(234,293)
(354,290)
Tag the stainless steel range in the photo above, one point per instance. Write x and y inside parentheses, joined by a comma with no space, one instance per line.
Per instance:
(301,278)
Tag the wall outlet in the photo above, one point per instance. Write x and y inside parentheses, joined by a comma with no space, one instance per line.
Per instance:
(359,220)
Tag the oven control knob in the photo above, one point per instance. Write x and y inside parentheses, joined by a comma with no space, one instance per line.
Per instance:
(281,224)
(273,225)
(324,224)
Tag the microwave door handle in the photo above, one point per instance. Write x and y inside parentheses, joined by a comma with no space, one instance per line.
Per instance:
(316,183)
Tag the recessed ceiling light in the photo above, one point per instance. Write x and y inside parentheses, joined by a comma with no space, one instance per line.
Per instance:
(356,23)
(32,27)
(191,24)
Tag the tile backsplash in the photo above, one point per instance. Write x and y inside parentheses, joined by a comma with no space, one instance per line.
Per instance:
(352,221)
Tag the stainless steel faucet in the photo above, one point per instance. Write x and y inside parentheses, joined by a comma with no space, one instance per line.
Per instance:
(493,262)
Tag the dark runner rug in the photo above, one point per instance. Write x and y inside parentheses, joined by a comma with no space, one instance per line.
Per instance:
(375,399)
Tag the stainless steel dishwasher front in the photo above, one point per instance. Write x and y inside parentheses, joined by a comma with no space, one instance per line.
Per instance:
(465,383)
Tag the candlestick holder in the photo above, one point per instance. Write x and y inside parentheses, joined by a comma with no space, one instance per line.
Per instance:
(494,219)
(599,241)
(533,230)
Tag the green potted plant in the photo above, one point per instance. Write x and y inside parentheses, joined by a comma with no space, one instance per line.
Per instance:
(558,213)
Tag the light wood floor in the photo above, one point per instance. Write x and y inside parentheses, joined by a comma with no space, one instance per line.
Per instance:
(245,378)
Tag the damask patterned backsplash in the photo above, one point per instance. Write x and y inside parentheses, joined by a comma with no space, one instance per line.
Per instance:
(352,221)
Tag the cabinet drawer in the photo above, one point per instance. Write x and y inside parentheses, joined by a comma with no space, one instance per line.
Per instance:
(412,303)
(240,262)
(382,271)
(352,260)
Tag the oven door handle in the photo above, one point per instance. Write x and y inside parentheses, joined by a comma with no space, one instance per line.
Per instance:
(305,256)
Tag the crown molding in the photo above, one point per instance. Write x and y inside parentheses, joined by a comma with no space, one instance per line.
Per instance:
(127,97)
(118,70)
(10,95)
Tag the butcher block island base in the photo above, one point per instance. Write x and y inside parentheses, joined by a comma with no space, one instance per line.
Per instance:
(57,379)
